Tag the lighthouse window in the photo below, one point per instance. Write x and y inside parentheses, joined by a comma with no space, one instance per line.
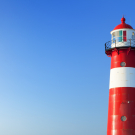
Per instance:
(117,33)
(123,118)
(123,64)
(113,37)
(133,35)
(120,36)
(124,36)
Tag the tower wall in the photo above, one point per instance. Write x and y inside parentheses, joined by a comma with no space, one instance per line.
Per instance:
(121,111)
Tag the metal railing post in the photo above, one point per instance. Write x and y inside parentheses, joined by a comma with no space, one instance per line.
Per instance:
(130,41)
(115,43)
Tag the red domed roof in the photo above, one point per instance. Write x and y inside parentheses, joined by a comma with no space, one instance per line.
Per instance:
(123,25)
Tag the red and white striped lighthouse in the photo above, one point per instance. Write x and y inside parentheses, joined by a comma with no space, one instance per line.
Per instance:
(121,110)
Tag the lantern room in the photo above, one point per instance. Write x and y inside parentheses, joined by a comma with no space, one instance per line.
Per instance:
(123,35)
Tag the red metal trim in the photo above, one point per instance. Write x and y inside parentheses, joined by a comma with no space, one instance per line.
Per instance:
(128,50)
(117,50)
(108,53)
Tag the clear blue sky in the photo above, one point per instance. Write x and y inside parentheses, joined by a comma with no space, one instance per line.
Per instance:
(54,74)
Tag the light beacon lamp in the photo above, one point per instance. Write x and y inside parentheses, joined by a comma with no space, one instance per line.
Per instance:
(121,109)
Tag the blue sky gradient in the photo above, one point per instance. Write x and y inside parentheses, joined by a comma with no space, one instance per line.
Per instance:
(54,74)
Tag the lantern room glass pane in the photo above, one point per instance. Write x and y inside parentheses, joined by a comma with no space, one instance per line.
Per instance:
(124,36)
(117,36)
(113,37)
(120,36)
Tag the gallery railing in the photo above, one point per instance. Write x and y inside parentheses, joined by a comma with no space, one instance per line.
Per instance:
(117,44)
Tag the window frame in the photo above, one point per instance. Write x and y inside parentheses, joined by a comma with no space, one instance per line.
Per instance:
(119,36)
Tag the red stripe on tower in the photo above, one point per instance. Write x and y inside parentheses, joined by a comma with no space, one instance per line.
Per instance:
(121,109)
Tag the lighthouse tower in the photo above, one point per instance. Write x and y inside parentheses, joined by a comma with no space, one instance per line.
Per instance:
(121,110)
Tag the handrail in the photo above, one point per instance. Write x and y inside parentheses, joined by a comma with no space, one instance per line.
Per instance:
(115,44)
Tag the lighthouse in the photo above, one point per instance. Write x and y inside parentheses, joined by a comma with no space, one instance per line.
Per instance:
(121,108)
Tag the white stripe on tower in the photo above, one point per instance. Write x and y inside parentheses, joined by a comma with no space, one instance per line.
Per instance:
(122,77)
